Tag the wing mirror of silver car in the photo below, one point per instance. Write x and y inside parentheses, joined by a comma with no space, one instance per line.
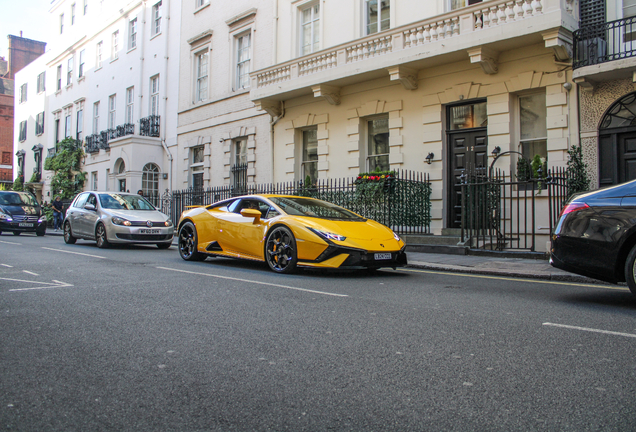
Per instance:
(89,207)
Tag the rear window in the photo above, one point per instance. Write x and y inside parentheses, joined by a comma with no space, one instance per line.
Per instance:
(17,198)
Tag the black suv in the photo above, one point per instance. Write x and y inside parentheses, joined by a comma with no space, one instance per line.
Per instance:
(20,212)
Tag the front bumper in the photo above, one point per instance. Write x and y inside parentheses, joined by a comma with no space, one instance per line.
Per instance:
(357,258)
(136,234)
(22,226)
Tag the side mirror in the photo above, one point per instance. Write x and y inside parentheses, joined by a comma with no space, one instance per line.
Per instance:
(251,213)
(89,207)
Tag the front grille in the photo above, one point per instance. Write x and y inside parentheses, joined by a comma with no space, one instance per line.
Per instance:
(25,218)
(144,237)
(143,223)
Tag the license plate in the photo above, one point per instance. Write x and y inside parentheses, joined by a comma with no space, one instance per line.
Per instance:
(26,225)
(382,256)
(149,231)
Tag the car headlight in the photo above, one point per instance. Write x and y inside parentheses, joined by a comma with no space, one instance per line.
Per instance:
(397,237)
(42,219)
(328,235)
(120,221)
(5,216)
(168,223)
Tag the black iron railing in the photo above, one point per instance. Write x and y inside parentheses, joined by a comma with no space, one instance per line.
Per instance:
(606,42)
(239,178)
(149,126)
(503,213)
(93,143)
(402,202)
(125,129)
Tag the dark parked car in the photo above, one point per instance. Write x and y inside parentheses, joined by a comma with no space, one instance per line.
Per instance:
(596,235)
(20,212)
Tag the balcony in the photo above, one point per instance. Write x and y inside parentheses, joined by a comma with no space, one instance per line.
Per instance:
(479,32)
(149,126)
(604,52)
(93,143)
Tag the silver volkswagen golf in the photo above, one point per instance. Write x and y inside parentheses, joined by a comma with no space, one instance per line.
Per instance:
(116,217)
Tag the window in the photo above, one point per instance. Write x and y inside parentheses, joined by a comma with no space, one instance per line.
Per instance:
(196,166)
(98,62)
(79,127)
(96,117)
(115,46)
(67,124)
(6,158)
(39,123)
(85,6)
(81,63)
(132,31)
(69,72)
(378,144)
(73,14)
(112,111)
(309,163)
(23,130)
(243,51)
(468,116)
(629,8)
(56,131)
(377,15)
(41,79)
(240,152)
(154,95)
(23,93)
(202,77)
(201,3)
(61,23)
(130,104)
(533,126)
(309,29)
(94,181)
(456,4)
(150,182)
(156,19)
(59,78)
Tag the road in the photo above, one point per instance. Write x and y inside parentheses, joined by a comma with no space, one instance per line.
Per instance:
(134,338)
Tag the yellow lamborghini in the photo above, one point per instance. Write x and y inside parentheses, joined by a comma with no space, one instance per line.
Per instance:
(288,232)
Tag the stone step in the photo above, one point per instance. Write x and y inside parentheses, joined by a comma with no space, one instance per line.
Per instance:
(429,239)
(438,249)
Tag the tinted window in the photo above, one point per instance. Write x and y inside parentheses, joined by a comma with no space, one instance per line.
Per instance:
(116,201)
(17,198)
(79,202)
(300,206)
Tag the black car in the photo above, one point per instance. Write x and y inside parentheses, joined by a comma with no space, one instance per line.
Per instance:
(596,235)
(20,212)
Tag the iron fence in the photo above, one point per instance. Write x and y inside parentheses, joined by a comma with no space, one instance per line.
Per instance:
(500,213)
(401,201)
(613,40)
(149,126)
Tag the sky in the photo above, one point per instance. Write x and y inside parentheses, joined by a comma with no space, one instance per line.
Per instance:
(29,16)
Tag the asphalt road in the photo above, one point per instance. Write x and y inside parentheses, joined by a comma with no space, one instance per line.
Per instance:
(137,339)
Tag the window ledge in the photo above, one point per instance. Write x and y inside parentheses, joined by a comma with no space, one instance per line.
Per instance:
(154,36)
(69,86)
(98,68)
(131,49)
(58,92)
(80,79)
(114,60)
(200,8)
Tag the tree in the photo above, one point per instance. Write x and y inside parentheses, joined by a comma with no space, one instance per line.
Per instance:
(577,171)
(68,179)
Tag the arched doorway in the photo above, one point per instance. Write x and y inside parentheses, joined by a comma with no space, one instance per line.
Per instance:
(120,175)
(150,183)
(617,142)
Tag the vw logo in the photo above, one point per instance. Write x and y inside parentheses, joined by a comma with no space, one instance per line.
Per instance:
(149,224)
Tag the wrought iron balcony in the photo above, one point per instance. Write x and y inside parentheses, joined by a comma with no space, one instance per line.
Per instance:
(149,126)
(125,129)
(93,143)
(50,152)
(614,40)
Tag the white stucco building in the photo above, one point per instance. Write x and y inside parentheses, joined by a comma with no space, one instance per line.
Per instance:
(105,80)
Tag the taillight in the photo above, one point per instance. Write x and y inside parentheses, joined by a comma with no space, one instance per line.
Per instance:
(572,207)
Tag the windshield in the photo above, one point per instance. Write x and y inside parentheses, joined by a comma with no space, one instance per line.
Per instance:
(124,202)
(17,198)
(300,206)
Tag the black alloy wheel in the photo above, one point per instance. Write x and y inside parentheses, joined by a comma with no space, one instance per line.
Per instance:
(280,250)
(188,242)
(68,234)
(100,236)
(630,270)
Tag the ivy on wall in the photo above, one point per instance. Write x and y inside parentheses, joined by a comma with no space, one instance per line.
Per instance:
(68,179)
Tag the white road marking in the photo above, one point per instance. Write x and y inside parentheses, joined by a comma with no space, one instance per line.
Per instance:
(75,253)
(255,282)
(30,272)
(590,330)
(6,242)
(46,285)
(517,279)
(6,265)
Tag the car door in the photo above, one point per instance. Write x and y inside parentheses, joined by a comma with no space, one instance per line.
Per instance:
(87,219)
(241,234)
(74,213)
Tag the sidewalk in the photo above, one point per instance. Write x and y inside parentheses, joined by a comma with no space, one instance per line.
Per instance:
(476,264)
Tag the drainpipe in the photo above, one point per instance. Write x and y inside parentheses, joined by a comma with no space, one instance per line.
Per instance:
(272,123)
(165,98)
(275,35)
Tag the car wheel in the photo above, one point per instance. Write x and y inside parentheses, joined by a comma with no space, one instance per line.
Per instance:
(164,245)
(40,232)
(16,233)
(100,236)
(630,270)
(68,234)
(188,242)
(280,250)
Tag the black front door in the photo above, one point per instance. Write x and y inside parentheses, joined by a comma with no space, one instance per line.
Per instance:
(617,157)
(468,151)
